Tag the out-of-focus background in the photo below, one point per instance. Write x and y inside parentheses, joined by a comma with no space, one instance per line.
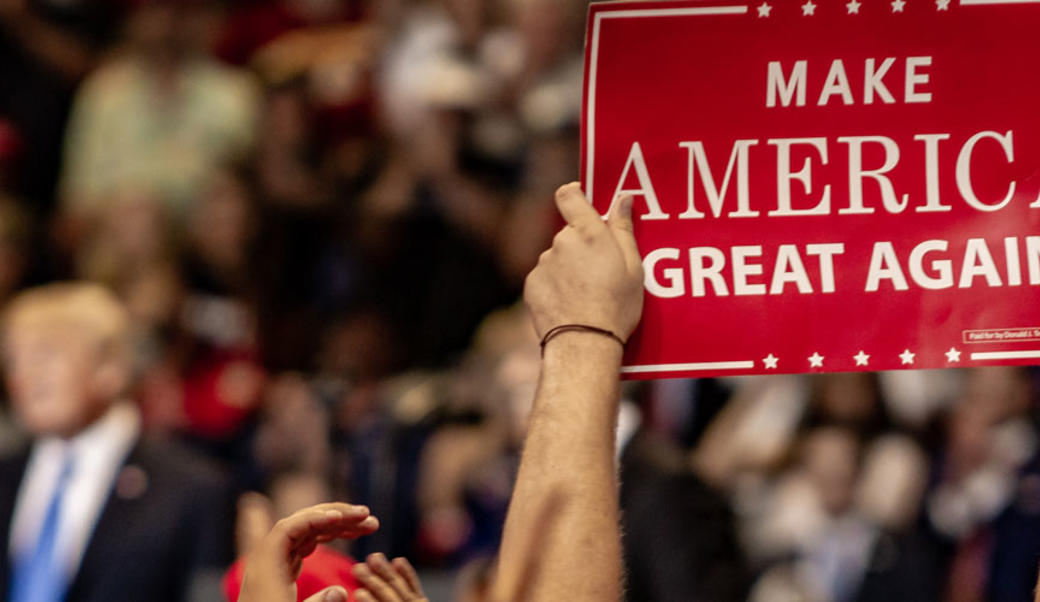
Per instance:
(320,214)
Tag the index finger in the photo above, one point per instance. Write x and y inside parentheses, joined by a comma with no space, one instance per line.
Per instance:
(620,222)
(575,208)
(321,519)
(405,568)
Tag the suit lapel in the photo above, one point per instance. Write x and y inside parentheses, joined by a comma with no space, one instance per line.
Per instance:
(12,470)
(124,501)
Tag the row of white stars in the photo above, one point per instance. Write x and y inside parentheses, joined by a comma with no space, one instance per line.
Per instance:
(862,358)
(852,7)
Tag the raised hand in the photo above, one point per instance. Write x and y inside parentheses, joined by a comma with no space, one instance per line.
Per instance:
(593,274)
(273,567)
(386,581)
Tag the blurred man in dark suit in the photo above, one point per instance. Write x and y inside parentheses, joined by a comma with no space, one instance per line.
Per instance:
(680,540)
(91,510)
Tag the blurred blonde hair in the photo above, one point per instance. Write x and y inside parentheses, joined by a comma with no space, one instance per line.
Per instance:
(76,308)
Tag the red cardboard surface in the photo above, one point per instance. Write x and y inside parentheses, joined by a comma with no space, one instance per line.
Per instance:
(822,185)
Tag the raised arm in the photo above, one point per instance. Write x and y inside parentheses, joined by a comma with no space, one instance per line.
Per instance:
(561,539)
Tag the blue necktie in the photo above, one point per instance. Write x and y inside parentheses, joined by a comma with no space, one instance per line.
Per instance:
(39,576)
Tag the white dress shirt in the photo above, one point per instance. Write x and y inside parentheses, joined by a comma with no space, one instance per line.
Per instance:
(630,418)
(98,454)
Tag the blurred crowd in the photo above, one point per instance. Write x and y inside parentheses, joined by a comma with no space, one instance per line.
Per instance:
(320,213)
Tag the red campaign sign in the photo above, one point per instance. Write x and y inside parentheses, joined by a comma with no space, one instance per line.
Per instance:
(822,185)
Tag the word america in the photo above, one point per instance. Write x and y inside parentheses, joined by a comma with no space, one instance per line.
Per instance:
(929,265)
(789,89)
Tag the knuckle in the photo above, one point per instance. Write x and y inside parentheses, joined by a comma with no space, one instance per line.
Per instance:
(530,282)
(282,526)
(622,224)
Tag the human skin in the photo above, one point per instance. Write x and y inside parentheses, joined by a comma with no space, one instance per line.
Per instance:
(561,539)
(274,565)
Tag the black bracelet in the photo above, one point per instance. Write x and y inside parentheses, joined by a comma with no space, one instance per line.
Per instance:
(555,330)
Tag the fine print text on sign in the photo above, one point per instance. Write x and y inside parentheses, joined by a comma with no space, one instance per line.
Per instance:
(822,185)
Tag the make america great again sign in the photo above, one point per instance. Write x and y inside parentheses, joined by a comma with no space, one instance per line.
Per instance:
(822,185)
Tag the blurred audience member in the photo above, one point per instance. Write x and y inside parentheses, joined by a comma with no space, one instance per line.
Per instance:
(219,343)
(680,536)
(320,277)
(46,47)
(986,499)
(157,117)
(96,509)
(255,26)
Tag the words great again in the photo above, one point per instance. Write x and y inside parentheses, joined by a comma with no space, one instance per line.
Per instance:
(701,271)
(976,171)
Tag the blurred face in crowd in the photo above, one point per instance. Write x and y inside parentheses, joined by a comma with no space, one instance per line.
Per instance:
(55,378)
(1003,389)
(221,223)
(135,226)
(990,397)
(468,15)
(549,28)
(66,356)
(968,433)
(847,398)
(830,457)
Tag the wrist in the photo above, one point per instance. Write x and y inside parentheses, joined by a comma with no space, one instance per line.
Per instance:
(574,346)
(560,329)
(584,368)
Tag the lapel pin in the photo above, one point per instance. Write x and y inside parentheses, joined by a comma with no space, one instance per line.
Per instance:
(132,482)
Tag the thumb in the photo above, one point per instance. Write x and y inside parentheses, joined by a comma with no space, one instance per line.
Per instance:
(620,222)
(330,594)
(576,209)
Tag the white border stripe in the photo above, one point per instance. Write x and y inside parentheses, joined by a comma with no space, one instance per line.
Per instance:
(740,365)
(676,12)
(980,2)
(590,135)
(1006,355)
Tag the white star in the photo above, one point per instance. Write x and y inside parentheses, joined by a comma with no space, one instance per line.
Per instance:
(816,360)
(853,6)
(808,8)
(861,358)
(897,5)
(764,8)
(953,355)
(907,357)
(770,361)
(942,4)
